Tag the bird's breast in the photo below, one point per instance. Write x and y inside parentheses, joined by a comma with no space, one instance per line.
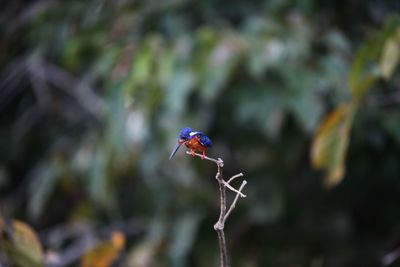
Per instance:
(194,144)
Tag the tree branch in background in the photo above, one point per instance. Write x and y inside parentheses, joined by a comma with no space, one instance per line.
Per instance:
(224,213)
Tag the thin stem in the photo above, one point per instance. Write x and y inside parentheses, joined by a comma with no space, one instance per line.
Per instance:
(222,192)
(234,177)
(219,226)
(220,164)
(217,161)
(223,215)
(233,189)
(233,205)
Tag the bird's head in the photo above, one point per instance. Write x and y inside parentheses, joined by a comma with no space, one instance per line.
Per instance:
(185,135)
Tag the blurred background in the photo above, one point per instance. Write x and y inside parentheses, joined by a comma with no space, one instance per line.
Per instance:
(302,96)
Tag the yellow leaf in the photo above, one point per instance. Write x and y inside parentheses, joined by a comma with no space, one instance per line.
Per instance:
(390,57)
(330,143)
(20,244)
(105,253)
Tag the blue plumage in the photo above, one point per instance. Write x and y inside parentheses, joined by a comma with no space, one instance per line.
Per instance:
(185,134)
(196,141)
(204,139)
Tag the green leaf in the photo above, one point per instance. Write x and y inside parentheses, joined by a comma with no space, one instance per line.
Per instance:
(220,64)
(377,58)
(365,71)
(178,89)
(143,64)
(165,66)
(263,109)
(264,54)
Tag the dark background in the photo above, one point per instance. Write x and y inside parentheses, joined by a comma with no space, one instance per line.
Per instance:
(93,95)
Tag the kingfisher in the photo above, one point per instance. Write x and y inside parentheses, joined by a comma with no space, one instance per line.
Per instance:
(195,141)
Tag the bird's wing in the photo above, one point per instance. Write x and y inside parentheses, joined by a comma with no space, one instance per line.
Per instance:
(204,139)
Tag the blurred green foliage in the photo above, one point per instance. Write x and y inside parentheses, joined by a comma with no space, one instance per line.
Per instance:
(376,59)
(93,95)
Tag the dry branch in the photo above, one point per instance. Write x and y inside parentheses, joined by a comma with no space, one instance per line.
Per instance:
(224,214)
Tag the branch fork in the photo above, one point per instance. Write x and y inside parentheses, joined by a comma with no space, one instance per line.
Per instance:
(224,213)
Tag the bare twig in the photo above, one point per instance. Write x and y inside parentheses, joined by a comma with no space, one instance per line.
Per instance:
(223,215)
(221,163)
(234,177)
(233,189)
(217,161)
(233,205)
